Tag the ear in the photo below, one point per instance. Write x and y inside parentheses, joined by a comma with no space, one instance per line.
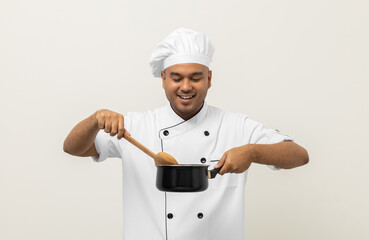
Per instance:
(210,73)
(163,78)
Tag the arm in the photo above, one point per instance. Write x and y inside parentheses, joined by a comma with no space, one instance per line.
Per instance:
(284,155)
(80,141)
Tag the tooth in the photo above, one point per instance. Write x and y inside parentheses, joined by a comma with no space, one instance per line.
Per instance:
(186,97)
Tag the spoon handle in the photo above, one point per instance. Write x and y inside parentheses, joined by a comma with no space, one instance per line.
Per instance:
(140,146)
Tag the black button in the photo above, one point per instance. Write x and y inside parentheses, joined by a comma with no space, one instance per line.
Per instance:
(200,215)
(166,133)
(203,160)
(206,133)
(170,216)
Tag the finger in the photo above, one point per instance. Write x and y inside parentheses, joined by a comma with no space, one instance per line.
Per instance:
(114,128)
(224,169)
(126,132)
(221,161)
(223,164)
(107,126)
(120,129)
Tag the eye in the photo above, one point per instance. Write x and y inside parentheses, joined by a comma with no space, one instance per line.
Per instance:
(196,79)
(176,79)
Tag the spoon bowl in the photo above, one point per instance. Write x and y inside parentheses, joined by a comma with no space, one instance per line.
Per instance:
(163,158)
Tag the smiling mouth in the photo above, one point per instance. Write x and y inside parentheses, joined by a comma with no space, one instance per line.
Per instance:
(186,97)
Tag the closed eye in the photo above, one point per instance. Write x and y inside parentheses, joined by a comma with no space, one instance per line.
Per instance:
(177,79)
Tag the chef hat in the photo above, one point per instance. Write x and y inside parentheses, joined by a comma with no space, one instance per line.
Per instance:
(181,46)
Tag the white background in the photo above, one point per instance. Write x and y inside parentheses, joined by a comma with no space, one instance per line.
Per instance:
(299,66)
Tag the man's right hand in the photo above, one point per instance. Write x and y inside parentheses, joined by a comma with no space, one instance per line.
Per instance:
(80,141)
(111,122)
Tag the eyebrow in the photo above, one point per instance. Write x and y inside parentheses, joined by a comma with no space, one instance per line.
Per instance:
(192,74)
(196,74)
(175,74)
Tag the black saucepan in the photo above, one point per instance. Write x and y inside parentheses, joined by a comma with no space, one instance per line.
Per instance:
(184,177)
(177,177)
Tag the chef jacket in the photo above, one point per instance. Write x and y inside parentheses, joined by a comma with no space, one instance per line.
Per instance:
(216,213)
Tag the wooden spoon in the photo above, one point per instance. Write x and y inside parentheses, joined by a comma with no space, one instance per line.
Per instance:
(162,158)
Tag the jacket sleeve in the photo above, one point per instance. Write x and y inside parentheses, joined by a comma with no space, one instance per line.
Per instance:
(256,133)
(107,146)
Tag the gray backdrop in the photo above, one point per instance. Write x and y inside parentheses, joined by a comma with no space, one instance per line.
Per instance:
(299,66)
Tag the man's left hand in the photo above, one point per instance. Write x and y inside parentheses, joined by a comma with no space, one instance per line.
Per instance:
(235,160)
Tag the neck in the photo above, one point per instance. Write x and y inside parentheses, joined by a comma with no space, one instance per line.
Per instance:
(187,116)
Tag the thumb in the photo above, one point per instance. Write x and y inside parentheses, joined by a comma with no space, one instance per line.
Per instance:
(126,132)
(221,161)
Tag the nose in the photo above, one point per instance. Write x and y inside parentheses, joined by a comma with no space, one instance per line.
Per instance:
(186,85)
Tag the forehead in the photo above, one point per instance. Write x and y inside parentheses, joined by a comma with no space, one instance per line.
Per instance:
(187,68)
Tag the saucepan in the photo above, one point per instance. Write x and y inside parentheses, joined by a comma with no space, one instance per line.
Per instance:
(174,177)
(184,177)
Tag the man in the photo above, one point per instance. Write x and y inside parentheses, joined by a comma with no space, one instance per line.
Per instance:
(192,132)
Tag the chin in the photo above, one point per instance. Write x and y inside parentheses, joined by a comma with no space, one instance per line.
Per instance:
(184,110)
(188,109)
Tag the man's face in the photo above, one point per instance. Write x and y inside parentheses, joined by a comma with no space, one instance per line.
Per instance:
(186,86)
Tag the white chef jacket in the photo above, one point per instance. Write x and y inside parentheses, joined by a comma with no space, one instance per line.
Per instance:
(216,213)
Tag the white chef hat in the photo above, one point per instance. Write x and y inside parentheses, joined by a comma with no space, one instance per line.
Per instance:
(181,46)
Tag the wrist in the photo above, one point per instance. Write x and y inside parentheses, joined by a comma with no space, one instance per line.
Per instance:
(94,123)
(250,150)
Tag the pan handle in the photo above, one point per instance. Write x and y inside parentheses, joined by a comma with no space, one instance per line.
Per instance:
(212,173)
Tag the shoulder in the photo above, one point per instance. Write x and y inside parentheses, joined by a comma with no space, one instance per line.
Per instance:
(147,118)
(146,114)
(226,114)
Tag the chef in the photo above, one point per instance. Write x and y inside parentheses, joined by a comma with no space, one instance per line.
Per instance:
(193,132)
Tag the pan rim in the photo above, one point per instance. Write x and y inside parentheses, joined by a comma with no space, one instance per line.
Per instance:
(184,165)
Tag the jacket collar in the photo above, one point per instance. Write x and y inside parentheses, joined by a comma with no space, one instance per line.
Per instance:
(177,125)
